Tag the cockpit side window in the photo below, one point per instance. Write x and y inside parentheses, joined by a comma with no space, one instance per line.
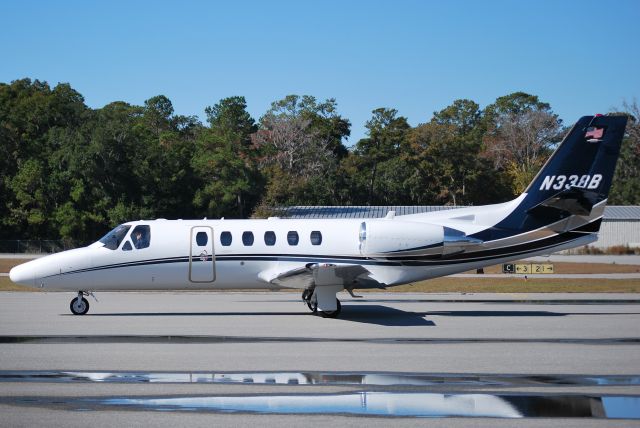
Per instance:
(141,237)
(113,239)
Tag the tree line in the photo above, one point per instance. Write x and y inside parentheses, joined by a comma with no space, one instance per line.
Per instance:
(72,172)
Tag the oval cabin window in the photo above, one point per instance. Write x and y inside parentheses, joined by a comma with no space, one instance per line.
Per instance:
(316,237)
(225,239)
(247,239)
(292,237)
(270,238)
(202,239)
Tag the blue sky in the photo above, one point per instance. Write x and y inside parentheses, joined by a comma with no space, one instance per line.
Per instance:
(582,57)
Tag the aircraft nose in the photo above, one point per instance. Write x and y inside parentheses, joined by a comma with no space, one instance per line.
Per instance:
(22,274)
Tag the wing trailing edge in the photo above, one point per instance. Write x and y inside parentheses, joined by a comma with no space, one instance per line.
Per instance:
(320,274)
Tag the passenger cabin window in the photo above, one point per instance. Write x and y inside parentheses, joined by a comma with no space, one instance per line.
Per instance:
(292,237)
(316,237)
(113,239)
(225,239)
(270,238)
(247,239)
(141,237)
(202,239)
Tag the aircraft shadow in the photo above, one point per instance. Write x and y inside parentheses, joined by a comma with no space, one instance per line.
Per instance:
(368,314)
(384,315)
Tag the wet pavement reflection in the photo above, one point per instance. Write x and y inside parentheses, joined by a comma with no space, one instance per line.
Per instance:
(322,378)
(390,404)
(382,394)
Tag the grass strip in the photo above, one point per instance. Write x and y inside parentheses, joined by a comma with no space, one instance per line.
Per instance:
(520,285)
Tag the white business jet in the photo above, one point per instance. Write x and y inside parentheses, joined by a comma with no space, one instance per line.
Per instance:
(562,208)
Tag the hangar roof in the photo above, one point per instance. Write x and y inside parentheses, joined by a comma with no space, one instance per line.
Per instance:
(620,212)
(610,212)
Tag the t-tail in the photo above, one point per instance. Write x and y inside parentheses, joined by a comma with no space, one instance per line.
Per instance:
(569,193)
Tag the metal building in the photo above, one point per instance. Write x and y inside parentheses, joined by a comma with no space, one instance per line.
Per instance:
(620,225)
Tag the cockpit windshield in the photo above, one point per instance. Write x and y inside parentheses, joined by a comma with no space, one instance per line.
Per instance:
(113,239)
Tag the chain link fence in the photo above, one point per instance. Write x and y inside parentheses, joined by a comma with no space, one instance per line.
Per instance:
(36,246)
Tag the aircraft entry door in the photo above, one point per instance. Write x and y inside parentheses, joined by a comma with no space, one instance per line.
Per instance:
(202,258)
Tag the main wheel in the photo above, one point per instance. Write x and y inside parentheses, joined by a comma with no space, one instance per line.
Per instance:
(79,306)
(332,314)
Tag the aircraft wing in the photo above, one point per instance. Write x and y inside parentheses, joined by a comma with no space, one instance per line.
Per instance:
(319,274)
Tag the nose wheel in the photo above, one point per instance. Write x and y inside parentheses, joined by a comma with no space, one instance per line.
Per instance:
(79,305)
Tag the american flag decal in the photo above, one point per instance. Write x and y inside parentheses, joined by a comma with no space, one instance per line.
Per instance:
(594,134)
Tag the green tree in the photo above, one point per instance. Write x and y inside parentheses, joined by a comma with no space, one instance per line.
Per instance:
(465,116)
(521,132)
(165,145)
(300,141)
(625,189)
(376,156)
(157,114)
(324,121)
(31,114)
(230,118)
(225,161)
(444,157)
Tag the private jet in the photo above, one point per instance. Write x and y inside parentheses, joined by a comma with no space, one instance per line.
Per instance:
(562,208)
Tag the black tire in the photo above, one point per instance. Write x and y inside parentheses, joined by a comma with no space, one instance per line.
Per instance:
(332,314)
(79,307)
(306,297)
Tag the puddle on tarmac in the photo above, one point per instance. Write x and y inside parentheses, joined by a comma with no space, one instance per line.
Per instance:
(388,404)
(321,378)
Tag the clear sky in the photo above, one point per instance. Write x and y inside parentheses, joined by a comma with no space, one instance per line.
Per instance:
(582,57)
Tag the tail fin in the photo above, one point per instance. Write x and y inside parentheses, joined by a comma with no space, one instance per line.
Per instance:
(584,162)
(576,177)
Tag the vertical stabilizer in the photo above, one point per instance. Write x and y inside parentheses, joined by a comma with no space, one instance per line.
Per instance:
(575,179)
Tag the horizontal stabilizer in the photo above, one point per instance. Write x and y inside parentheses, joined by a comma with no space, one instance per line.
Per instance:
(574,201)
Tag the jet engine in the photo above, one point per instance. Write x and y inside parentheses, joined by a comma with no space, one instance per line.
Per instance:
(389,238)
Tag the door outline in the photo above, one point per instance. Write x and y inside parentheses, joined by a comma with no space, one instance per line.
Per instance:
(213,254)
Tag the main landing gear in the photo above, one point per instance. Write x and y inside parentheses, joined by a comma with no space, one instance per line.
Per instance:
(310,297)
(79,305)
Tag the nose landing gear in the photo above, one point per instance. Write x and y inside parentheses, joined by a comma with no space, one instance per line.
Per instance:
(79,305)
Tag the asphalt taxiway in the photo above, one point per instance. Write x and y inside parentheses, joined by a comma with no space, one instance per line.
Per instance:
(187,358)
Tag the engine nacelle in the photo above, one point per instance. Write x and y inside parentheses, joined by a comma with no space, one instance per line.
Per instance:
(381,237)
(389,238)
